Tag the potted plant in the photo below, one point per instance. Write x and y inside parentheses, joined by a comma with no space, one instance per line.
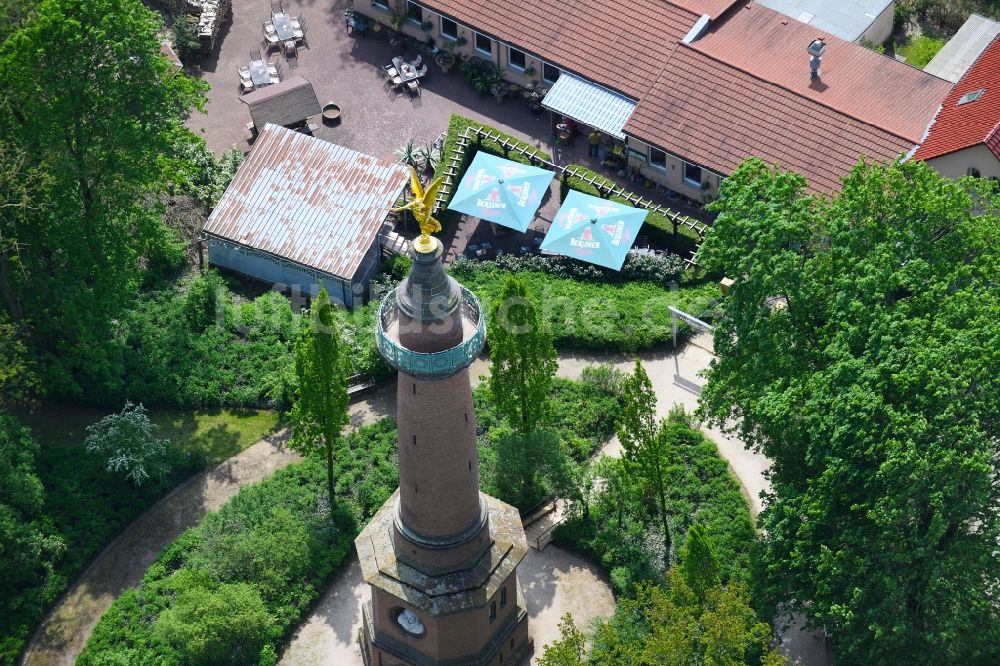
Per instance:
(530,72)
(499,89)
(426,26)
(395,20)
(462,41)
(445,60)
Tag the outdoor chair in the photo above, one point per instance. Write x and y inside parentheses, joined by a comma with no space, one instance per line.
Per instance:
(413,86)
(268,28)
(418,60)
(247,85)
(422,71)
(291,54)
(276,7)
(255,55)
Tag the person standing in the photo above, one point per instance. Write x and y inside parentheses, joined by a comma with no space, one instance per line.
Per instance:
(593,141)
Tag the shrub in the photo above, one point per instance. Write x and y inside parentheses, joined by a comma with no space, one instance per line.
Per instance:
(262,559)
(627,316)
(126,443)
(202,302)
(621,530)
(481,75)
(223,624)
(662,269)
(657,227)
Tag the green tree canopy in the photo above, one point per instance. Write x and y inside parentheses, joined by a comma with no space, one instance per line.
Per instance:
(648,448)
(859,349)
(522,358)
(127,443)
(699,566)
(669,624)
(214,624)
(27,546)
(320,410)
(94,109)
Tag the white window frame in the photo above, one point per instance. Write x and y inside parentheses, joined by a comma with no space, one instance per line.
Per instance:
(510,65)
(381,5)
(548,64)
(410,18)
(441,28)
(658,167)
(689,181)
(475,44)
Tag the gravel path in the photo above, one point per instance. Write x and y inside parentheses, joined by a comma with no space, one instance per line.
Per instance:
(554,582)
(124,561)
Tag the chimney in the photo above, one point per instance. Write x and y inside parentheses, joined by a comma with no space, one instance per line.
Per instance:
(815,49)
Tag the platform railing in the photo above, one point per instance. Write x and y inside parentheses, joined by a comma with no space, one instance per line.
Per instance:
(436,365)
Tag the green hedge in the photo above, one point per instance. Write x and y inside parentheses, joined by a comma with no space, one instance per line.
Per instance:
(457,126)
(594,315)
(231,590)
(657,227)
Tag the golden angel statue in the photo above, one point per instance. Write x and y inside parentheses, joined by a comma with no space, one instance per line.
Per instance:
(421,206)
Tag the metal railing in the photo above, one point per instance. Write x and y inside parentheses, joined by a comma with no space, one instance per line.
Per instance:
(436,365)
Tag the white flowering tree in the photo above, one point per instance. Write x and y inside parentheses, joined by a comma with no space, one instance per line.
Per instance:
(128,444)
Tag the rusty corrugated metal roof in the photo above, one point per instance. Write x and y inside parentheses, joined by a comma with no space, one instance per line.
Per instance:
(307,200)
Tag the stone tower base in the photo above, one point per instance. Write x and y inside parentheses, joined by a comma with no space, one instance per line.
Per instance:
(472,615)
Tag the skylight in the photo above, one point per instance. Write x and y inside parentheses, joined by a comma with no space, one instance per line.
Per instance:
(971,96)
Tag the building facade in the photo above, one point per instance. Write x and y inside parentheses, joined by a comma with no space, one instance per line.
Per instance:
(303,214)
(712,81)
(440,557)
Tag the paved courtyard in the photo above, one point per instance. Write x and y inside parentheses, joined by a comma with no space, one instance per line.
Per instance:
(346,69)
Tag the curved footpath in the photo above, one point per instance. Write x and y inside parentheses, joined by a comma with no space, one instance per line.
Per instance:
(554,581)
(123,562)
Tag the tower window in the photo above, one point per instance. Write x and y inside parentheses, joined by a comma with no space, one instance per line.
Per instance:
(503,596)
(470,464)
(414,440)
(493,610)
(414,388)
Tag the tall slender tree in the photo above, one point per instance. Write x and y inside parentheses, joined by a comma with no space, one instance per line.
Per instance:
(647,446)
(523,358)
(320,411)
(859,349)
(699,566)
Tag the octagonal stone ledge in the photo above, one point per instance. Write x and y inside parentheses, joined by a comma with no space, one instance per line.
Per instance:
(451,592)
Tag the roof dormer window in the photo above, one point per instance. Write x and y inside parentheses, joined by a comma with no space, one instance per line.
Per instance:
(970,96)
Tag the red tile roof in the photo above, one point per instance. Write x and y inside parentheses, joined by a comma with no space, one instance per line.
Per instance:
(714,8)
(854,80)
(619,45)
(741,89)
(727,115)
(958,127)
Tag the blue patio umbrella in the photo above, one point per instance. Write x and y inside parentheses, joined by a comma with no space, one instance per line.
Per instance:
(501,191)
(594,230)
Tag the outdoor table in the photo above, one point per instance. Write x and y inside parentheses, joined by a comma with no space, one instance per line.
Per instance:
(406,70)
(283,26)
(259,74)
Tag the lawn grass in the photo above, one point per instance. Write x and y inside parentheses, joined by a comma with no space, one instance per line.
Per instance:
(215,434)
(918,52)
